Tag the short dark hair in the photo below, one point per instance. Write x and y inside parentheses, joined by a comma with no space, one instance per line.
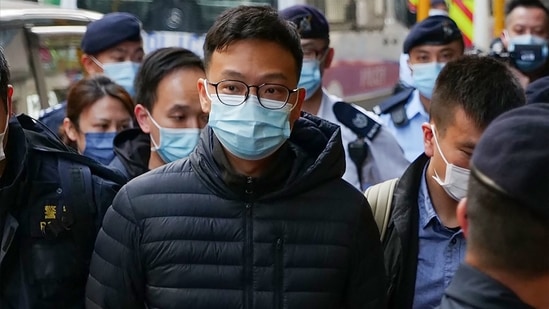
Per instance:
(484,87)
(513,4)
(253,22)
(505,235)
(4,79)
(158,65)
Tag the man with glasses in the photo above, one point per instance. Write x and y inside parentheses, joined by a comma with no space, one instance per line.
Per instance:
(258,216)
(372,153)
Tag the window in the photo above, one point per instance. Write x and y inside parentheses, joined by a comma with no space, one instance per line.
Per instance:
(171,15)
(25,97)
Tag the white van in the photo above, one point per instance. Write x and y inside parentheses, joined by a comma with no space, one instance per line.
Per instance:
(42,47)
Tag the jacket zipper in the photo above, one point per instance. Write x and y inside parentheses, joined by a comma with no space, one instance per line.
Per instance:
(248,256)
(278,273)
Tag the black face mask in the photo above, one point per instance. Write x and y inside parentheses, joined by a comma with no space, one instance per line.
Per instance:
(528,53)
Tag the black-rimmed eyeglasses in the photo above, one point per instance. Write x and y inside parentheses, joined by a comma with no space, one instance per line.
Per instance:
(235,92)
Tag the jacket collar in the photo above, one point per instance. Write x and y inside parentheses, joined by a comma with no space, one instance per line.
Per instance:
(16,156)
(312,156)
(471,286)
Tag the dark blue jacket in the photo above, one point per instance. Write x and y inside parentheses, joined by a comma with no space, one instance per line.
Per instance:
(47,238)
(195,234)
(472,289)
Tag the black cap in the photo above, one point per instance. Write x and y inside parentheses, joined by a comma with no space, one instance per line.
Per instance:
(109,31)
(310,21)
(512,156)
(433,30)
(538,91)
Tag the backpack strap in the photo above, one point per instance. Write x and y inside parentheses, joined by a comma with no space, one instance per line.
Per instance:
(76,181)
(380,198)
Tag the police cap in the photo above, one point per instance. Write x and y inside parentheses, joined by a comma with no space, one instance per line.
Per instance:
(310,22)
(512,156)
(538,91)
(109,31)
(434,30)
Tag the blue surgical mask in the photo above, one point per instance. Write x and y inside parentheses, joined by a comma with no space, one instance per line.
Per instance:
(99,146)
(175,143)
(249,131)
(310,78)
(425,76)
(122,73)
(528,52)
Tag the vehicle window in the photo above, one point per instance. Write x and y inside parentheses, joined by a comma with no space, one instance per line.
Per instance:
(25,97)
(59,56)
(170,15)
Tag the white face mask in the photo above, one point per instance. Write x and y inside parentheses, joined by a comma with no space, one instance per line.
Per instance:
(2,136)
(457,177)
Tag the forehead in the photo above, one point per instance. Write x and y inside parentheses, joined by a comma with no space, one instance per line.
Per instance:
(426,48)
(106,108)
(253,62)
(462,129)
(179,88)
(313,43)
(124,47)
(526,16)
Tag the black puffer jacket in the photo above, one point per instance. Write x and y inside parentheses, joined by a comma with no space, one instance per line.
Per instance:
(193,234)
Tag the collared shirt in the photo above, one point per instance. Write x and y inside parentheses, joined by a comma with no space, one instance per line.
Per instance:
(410,137)
(385,157)
(441,250)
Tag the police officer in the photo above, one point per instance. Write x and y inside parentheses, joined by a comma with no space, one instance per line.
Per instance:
(430,44)
(371,152)
(52,202)
(506,217)
(112,46)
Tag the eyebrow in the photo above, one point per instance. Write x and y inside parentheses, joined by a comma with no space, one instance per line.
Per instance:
(178,107)
(238,75)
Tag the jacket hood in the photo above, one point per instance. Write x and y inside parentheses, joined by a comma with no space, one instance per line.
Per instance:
(312,156)
(133,148)
(16,158)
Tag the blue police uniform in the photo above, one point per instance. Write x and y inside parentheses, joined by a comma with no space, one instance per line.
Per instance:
(372,154)
(403,112)
(102,34)
(384,159)
(408,133)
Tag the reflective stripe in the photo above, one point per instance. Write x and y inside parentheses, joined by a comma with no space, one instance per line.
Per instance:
(461,11)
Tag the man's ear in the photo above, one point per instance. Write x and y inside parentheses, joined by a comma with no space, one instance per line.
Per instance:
(296,109)
(428,139)
(329,58)
(89,65)
(461,213)
(70,129)
(9,103)
(142,118)
(205,101)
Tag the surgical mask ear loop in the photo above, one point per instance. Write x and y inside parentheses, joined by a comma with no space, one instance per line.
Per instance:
(436,177)
(97,62)
(156,147)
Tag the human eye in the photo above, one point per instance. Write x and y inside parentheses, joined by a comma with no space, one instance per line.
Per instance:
(231,87)
(101,126)
(274,92)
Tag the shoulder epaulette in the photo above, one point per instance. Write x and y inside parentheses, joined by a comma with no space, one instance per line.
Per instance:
(399,98)
(395,106)
(360,123)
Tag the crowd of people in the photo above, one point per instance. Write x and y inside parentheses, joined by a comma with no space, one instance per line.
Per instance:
(238,181)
